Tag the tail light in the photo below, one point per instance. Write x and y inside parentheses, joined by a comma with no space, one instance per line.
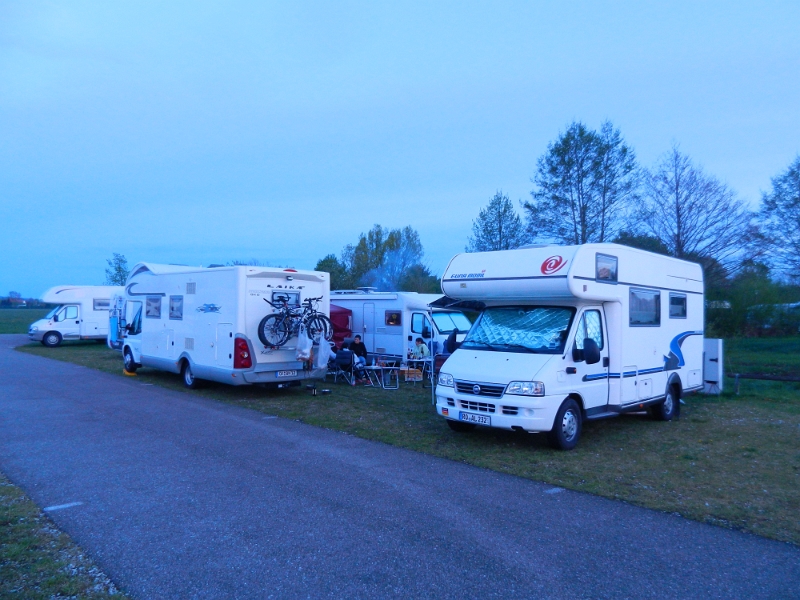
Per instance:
(241,354)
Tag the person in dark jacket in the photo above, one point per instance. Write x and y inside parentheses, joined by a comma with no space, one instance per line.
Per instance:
(360,350)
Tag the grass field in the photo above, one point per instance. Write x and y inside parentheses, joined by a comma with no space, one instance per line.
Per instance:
(17,320)
(37,560)
(731,460)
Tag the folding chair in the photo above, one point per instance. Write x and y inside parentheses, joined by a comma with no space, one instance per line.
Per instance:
(343,364)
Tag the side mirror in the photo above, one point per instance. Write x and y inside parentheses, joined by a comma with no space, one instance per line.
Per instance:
(426,333)
(56,319)
(591,352)
(577,353)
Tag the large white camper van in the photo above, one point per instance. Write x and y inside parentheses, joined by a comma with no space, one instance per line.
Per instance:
(203,322)
(81,313)
(569,333)
(390,322)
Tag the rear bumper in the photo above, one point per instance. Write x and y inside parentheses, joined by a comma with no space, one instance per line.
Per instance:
(271,375)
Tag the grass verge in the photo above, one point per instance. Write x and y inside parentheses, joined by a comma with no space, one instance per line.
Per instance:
(731,460)
(17,320)
(37,560)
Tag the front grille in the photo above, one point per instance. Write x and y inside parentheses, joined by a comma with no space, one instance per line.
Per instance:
(485,389)
(510,410)
(479,406)
(450,402)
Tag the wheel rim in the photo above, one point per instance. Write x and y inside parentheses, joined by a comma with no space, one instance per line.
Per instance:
(569,425)
(188,376)
(668,404)
(52,338)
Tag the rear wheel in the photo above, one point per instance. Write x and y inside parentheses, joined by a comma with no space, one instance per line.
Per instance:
(670,408)
(273,331)
(128,362)
(566,427)
(189,380)
(319,327)
(51,339)
(460,426)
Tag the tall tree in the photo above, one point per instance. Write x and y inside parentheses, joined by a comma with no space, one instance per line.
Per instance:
(117,270)
(584,183)
(693,214)
(498,227)
(780,219)
(340,278)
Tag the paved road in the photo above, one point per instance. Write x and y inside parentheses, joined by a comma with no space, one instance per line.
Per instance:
(187,498)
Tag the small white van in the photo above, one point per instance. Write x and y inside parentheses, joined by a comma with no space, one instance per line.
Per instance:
(81,314)
(570,333)
(203,322)
(390,322)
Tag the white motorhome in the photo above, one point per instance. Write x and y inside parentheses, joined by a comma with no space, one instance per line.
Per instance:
(390,322)
(203,322)
(81,313)
(570,333)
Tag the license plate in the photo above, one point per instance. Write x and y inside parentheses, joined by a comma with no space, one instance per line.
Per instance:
(286,374)
(477,419)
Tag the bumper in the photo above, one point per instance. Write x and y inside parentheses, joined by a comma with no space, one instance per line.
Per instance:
(530,413)
(272,375)
(36,336)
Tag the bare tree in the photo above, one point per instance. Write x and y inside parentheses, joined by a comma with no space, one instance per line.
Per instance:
(498,227)
(584,182)
(780,218)
(117,271)
(693,214)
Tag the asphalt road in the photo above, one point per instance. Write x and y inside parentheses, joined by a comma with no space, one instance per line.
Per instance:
(182,497)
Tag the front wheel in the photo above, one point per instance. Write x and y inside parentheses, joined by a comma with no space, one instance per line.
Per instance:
(128,362)
(51,339)
(319,327)
(273,331)
(567,426)
(669,409)
(460,426)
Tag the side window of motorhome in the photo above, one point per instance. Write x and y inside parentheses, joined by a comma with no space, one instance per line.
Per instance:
(153,307)
(605,268)
(677,306)
(176,308)
(100,304)
(394,317)
(419,323)
(590,326)
(645,308)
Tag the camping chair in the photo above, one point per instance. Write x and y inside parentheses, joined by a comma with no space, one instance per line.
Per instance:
(343,364)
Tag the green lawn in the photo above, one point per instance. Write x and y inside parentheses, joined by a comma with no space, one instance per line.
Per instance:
(17,320)
(731,460)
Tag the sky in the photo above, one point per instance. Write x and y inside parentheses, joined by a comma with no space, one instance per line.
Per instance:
(199,132)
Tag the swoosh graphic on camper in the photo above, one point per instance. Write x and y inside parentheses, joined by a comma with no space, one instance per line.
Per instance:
(130,293)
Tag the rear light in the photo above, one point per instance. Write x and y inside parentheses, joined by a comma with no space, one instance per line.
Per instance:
(241,354)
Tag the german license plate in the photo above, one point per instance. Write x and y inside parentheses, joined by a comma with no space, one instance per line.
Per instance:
(286,374)
(477,419)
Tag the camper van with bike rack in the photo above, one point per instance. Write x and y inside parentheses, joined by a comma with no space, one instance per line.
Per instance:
(204,322)
(568,334)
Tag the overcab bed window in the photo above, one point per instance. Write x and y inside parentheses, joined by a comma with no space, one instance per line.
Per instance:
(645,308)
(605,268)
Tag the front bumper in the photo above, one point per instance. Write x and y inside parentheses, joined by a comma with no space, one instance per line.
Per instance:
(36,336)
(531,413)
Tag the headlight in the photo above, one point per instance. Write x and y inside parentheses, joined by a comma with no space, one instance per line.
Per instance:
(445,379)
(525,388)
(34,328)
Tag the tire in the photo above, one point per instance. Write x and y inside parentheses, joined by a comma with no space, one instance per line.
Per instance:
(318,327)
(460,426)
(189,380)
(273,331)
(51,339)
(567,426)
(669,408)
(128,362)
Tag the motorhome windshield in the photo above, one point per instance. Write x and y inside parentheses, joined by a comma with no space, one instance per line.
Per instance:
(446,322)
(52,312)
(538,329)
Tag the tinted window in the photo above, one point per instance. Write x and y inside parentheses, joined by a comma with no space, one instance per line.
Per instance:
(176,308)
(292,298)
(606,268)
(677,306)
(153,307)
(394,317)
(100,304)
(645,308)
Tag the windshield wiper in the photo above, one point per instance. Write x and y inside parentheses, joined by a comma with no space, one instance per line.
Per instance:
(472,344)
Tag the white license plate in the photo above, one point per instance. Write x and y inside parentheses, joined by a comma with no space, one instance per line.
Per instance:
(477,419)
(286,374)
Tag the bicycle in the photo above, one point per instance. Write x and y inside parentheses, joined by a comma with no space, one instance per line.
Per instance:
(278,328)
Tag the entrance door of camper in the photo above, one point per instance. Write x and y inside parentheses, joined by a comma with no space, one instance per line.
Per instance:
(369,326)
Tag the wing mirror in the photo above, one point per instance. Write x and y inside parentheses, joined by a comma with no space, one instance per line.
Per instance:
(591,353)
(426,333)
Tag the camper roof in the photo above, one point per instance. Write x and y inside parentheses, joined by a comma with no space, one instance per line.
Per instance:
(62,294)
(252,271)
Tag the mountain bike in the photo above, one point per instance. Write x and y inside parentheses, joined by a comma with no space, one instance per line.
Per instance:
(278,328)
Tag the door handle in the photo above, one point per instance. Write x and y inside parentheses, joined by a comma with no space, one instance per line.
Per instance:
(605,361)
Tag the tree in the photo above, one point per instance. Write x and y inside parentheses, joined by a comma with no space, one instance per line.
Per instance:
(14,295)
(693,214)
(340,278)
(780,219)
(117,271)
(498,227)
(641,241)
(585,182)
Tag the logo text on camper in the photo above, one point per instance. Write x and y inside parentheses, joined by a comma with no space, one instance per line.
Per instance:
(468,275)
(552,264)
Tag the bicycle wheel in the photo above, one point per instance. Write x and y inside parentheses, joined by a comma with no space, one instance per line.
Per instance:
(318,327)
(273,331)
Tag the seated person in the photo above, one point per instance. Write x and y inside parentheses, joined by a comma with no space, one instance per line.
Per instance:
(360,350)
(420,350)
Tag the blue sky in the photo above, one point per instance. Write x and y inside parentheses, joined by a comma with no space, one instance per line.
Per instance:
(205,132)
